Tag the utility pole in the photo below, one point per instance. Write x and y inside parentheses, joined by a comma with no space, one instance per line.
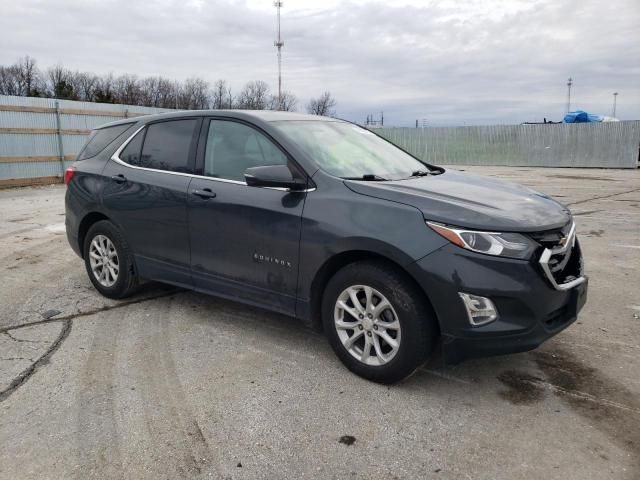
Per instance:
(569,83)
(615,101)
(279,44)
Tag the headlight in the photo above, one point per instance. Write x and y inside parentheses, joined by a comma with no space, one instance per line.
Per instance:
(512,245)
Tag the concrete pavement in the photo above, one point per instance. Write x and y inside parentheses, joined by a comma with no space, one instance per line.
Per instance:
(176,384)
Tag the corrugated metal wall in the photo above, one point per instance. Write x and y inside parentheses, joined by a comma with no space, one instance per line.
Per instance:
(600,145)
(40,137)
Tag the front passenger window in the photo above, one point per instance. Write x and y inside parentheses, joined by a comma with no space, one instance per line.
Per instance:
(233,147)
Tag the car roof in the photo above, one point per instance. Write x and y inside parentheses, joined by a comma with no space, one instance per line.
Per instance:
(251,115)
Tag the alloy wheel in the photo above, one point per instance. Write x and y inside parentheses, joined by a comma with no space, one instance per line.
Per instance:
(367,325)
(104,262)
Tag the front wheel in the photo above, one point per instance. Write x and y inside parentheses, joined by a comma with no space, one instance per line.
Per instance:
(378,322)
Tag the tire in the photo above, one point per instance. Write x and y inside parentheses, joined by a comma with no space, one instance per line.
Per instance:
(109,239)
(409,310)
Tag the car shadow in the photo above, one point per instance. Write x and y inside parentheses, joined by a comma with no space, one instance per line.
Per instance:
(295,334)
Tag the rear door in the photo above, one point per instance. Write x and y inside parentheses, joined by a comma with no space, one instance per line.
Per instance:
(146,195)
(244,240)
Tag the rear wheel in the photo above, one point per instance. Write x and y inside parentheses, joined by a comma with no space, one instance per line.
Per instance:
(109,261)
(378,323)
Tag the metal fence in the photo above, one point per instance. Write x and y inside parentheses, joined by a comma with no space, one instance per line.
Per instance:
(599,145)
(41,137)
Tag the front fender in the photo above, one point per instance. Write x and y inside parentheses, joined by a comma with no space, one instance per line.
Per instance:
(337,220)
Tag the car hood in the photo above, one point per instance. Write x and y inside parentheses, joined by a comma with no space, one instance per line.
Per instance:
(471,201)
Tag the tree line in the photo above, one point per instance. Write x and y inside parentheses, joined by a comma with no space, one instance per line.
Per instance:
(25,79)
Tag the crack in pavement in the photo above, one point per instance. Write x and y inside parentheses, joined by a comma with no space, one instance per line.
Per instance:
(67,324)
(22,340)
(31,369)
(601,197)
(104,308)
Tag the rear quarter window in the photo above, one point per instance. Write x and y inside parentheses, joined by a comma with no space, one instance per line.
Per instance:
(101,138)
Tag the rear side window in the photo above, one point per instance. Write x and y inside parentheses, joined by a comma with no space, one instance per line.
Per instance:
(167,144)
(101,138)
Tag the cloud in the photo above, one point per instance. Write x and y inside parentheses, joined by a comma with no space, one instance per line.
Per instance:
(451,62)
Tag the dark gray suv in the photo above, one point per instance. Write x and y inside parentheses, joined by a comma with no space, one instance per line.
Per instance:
(323,220)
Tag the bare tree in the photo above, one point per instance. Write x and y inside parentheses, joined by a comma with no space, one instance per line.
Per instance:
(323,105)
(181,98)
(9,81)
(221,96)
(60,83)
(29,77)
(150,91)
(86,84)
(23,78)
(254,96)
(288,102)
(127,89)
(166,93)
(195,94)
(104,90)
(157,92)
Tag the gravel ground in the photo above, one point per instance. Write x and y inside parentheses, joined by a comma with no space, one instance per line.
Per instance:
(176,384)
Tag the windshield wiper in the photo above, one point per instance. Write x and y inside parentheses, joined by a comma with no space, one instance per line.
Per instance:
(368,177)
(420,173)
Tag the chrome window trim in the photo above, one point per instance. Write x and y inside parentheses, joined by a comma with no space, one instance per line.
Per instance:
(546,256)
(116,158)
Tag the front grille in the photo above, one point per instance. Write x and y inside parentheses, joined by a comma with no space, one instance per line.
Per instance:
(561,259)
(566,267)
(551,238)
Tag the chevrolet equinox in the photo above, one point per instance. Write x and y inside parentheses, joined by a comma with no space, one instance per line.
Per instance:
(326,221)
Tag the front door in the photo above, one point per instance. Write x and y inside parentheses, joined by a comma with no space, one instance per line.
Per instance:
(146,195)
(244,240)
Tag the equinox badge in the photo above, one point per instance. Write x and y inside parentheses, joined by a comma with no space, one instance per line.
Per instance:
(267,259)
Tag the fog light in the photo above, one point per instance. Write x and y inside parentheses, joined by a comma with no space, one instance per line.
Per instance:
(480,310)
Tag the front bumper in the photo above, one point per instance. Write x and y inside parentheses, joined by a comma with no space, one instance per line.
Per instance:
(530,309)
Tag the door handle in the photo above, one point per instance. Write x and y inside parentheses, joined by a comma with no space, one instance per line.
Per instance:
(119,178)
(205,193)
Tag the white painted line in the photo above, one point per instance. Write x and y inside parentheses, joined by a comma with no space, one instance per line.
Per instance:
(627,246)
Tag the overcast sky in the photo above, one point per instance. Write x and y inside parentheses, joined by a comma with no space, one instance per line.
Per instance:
(450,62)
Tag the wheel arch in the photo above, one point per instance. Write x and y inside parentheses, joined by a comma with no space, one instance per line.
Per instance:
(340,260)
(85,224)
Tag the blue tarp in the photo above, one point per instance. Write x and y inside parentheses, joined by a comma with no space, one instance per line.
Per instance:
(580,116)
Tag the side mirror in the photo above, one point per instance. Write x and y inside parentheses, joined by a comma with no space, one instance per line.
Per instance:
(278,176)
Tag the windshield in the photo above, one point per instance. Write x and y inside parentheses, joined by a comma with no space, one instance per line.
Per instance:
(348,151)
